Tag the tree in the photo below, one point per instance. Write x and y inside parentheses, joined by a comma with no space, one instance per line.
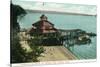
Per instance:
(36,50)
(16,11)
(18,54)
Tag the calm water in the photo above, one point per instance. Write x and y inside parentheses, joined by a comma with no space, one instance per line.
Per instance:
(66,21)
(87,51)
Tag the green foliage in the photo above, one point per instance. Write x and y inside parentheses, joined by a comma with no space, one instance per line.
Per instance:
(15,11)
(36,50)
(19,54)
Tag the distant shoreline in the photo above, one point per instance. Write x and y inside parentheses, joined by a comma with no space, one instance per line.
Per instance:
(59,12)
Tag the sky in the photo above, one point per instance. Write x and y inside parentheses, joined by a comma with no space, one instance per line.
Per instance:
(69,8)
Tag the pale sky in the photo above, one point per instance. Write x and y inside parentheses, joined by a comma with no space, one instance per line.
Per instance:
(69,8)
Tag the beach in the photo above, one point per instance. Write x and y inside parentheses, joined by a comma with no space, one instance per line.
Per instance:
(56,53)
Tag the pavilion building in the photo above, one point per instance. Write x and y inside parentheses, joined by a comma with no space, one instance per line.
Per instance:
(43,27)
